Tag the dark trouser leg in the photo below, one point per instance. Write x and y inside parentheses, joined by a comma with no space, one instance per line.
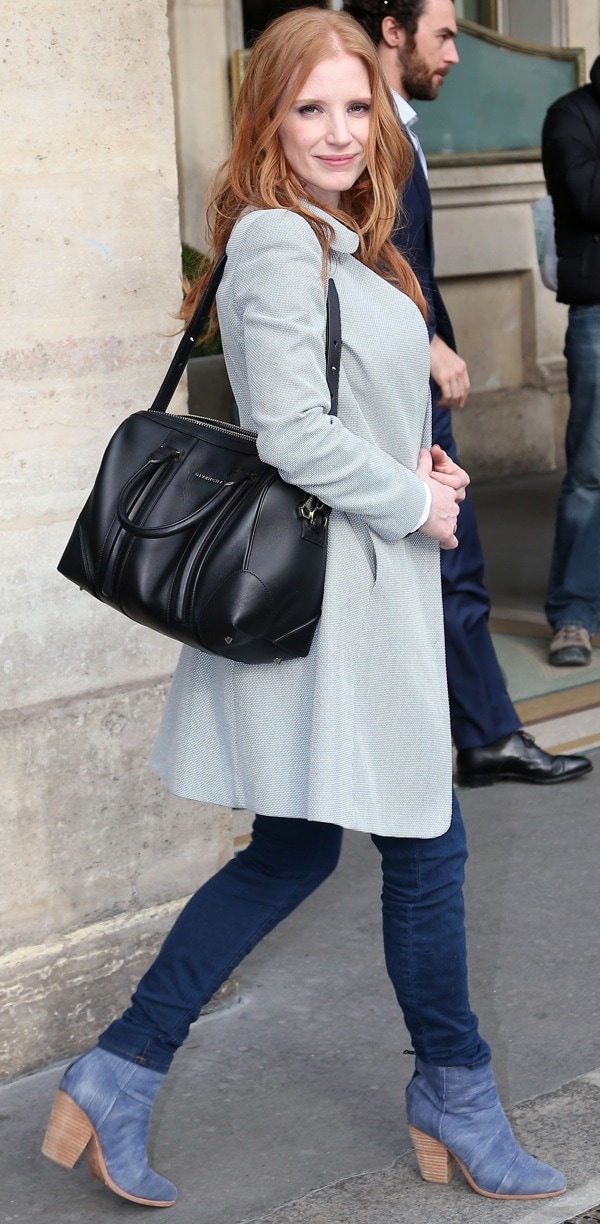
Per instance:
(574,586)
(425,943)
(481,711)
(285,861)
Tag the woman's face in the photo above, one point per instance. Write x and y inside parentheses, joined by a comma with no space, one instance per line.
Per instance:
(324,134)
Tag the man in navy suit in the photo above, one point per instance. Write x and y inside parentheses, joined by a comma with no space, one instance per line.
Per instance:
(415,40)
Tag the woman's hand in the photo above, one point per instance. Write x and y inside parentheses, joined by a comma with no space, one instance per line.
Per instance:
(447,483)
(447,471)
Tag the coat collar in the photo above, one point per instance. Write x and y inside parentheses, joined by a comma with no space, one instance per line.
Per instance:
(345,240)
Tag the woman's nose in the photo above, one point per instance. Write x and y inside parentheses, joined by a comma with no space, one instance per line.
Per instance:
(338,131)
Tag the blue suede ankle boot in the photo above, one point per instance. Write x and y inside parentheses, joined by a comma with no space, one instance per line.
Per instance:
(454,1115)
(104,1105)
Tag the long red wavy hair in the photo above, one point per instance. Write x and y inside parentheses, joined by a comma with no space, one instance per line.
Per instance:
(257,175)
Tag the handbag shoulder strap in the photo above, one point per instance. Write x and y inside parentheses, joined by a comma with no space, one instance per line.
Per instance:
(333,345)
(184,349)
(183,352)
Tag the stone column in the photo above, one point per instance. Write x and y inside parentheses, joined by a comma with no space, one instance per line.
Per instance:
(509,327)
(583,28)
(202,34)
(96,857)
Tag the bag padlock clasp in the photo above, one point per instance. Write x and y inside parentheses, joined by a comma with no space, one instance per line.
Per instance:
(314,512)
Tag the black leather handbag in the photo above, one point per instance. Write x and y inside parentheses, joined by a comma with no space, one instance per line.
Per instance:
(188,532)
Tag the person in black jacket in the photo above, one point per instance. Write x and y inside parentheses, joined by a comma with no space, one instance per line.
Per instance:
(571,157)
(415,42)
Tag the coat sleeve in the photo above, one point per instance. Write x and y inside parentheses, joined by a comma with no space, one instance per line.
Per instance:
(276,278)
(571,165)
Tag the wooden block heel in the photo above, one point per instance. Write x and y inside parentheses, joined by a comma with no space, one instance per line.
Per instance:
(435,1161)
(68,1132)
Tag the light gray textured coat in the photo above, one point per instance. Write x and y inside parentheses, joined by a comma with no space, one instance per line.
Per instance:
(358,733)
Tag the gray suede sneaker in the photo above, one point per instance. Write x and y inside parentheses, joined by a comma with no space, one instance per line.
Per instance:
(570,647)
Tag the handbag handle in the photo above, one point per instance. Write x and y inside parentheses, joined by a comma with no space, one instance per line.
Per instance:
(161,457)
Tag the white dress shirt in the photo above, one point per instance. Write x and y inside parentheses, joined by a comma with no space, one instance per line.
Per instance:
(409,117)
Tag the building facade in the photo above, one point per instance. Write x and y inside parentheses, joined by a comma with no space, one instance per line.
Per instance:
(509,327)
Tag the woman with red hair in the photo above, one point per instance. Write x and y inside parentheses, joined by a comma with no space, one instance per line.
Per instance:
(356,735)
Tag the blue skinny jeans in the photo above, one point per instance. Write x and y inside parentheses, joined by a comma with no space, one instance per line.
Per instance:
(286,860)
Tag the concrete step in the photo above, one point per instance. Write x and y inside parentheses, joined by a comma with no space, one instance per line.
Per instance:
(560,1127)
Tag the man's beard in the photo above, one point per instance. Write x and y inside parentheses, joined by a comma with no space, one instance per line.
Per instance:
(417,78)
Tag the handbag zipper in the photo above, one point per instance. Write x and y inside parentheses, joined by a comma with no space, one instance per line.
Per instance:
(226,429)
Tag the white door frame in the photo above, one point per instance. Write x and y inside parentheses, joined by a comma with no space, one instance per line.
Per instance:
(558,20)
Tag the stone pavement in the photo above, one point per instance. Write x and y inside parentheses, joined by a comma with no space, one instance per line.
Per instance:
(297,1089)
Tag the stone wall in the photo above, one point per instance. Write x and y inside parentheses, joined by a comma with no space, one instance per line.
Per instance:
(583,27)
(96,857)
(509,327)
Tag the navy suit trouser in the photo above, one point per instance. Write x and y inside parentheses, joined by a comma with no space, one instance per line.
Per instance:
(480,708)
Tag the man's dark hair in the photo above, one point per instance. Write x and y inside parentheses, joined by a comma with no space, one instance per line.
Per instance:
(370,14)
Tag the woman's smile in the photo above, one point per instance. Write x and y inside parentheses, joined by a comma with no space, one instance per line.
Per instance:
(336,161)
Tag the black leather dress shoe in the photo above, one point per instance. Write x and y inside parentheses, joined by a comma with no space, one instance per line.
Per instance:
(516,758)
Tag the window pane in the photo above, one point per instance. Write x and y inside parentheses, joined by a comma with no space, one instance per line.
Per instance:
(483,11)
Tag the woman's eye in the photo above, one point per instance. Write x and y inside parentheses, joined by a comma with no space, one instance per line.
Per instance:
(312,108)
